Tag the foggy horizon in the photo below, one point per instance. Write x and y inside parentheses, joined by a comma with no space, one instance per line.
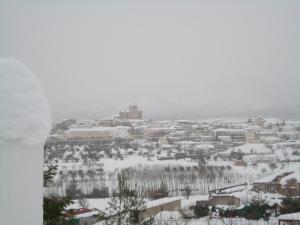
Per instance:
(185,60)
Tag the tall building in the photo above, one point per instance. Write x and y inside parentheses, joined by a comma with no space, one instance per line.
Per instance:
(132,114)
(251,136)
(260,121)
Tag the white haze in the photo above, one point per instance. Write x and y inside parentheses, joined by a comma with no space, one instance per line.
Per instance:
(176,59)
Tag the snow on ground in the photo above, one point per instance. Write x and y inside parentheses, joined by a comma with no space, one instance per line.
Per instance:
(205,221)
(252,159)
(250,173)
(229,221)
(93,203)
(102,203)
(253,173)
(271,175)
(250,148)
(154,203)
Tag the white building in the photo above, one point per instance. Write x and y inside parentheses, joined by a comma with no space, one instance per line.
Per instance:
(251,135)
(97,132)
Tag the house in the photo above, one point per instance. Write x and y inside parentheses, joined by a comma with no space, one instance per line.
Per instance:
(266,187)
(218,200)
(82,216)
(286,183)
(228,200)
(165,204)
(289,219)
(251,135)
(290,184)
(97,132)
(240,163)
(291,188)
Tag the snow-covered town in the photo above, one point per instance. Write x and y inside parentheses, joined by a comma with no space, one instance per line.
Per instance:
(191,171)
(150,112)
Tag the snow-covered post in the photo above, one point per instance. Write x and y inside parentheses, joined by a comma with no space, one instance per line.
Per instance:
(25,122)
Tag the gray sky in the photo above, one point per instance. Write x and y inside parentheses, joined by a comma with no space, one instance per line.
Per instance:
(177,59)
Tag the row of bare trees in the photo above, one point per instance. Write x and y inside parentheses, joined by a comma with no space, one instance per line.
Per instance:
(198,180)
(158,181)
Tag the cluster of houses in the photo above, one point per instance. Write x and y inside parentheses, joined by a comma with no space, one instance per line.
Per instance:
(284,182)
(85,216)
(179,138)
(241,142)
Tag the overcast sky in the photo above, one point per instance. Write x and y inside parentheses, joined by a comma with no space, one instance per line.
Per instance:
(176,59)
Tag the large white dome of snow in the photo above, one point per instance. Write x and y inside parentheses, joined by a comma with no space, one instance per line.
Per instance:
(24,110)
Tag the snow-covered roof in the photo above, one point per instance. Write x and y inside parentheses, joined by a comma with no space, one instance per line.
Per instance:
(87,214)
(229,130)
(295,176)
(161,202)
(204,146)
(96,128)
(273,176)
(24,111)
(97,203)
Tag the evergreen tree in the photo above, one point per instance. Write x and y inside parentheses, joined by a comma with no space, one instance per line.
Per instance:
(290,205)
(53,206)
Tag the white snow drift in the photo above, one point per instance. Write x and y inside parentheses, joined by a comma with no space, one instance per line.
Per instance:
(25,122)
(24,110)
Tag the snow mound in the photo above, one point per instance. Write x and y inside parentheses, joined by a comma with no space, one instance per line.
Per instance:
(24,112)
(168,215)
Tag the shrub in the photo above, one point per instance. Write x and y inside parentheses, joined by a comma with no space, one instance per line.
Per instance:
(201,211)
